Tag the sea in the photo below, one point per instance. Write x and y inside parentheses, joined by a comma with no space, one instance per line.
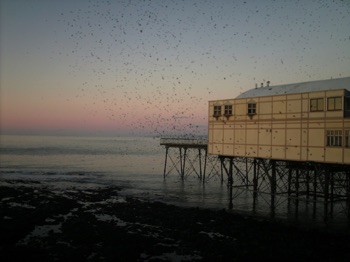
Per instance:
(136,165)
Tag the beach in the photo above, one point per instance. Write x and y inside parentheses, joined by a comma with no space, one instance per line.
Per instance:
(46,223)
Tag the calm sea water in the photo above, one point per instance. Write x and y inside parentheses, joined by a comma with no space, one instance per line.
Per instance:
(137,164)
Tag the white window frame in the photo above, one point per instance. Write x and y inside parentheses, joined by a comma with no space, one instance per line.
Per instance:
(217,111)
(228,110)
(334,138)
(251,108)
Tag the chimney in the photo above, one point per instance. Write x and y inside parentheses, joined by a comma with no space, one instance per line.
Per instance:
(262,84)
(256,86)
(268,83)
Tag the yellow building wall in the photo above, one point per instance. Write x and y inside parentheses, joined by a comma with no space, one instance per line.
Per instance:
(346,155)
(283,128)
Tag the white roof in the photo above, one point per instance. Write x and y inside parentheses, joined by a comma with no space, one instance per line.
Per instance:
(305,87)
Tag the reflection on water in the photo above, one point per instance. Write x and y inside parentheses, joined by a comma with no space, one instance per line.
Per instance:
(216,195)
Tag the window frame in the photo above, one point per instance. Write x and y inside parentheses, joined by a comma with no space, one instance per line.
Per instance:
(318,104)
(217,111)
(228,110)
(332,101)
(347,138)
(347,103)
(334,138)
(251,108)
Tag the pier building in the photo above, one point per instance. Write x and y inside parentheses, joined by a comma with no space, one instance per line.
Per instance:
(299,122)
(291,140)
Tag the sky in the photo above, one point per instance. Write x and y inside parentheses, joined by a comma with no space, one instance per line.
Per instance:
(150,67)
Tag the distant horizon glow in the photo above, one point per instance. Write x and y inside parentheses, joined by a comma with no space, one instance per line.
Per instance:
(151,67)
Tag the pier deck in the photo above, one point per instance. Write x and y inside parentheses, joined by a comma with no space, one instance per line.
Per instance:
(187,156)
(201,143)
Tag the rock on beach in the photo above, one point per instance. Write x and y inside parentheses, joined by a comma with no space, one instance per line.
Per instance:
(41,223)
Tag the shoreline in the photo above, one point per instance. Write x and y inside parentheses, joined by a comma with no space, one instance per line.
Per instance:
(86,224)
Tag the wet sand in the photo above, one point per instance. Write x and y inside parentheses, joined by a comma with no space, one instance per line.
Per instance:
(96,224)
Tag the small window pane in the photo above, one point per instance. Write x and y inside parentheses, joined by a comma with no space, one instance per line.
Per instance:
(313,105)
(330,104)
(320,104)
(337,103)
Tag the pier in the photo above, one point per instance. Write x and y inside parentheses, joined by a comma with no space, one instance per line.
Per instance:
(189,156)
(285,143)
(294,181)
(274,181)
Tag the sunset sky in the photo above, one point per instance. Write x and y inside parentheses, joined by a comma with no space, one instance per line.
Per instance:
(150,67)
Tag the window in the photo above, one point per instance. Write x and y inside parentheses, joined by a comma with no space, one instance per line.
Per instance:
(347,138)
(334,103)
(334,138)
(251,108)
(217,110)
(347,103)
(228,110)
(316,104)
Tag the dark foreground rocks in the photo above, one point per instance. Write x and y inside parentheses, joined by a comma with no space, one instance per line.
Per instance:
(46,224)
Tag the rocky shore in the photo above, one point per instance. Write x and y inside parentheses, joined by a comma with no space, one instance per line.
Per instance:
(40,223)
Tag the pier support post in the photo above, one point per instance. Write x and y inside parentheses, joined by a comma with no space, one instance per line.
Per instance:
(326,192)
(222,164)
(273,185)
(347,184)
(297,178)
(289,185)
(205,165)
(200,163)
(246,174)
(165,163)
(255,183)
(230,182)
(315,183)
(183,162)
(307,184)
(255,180)
(331,197)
